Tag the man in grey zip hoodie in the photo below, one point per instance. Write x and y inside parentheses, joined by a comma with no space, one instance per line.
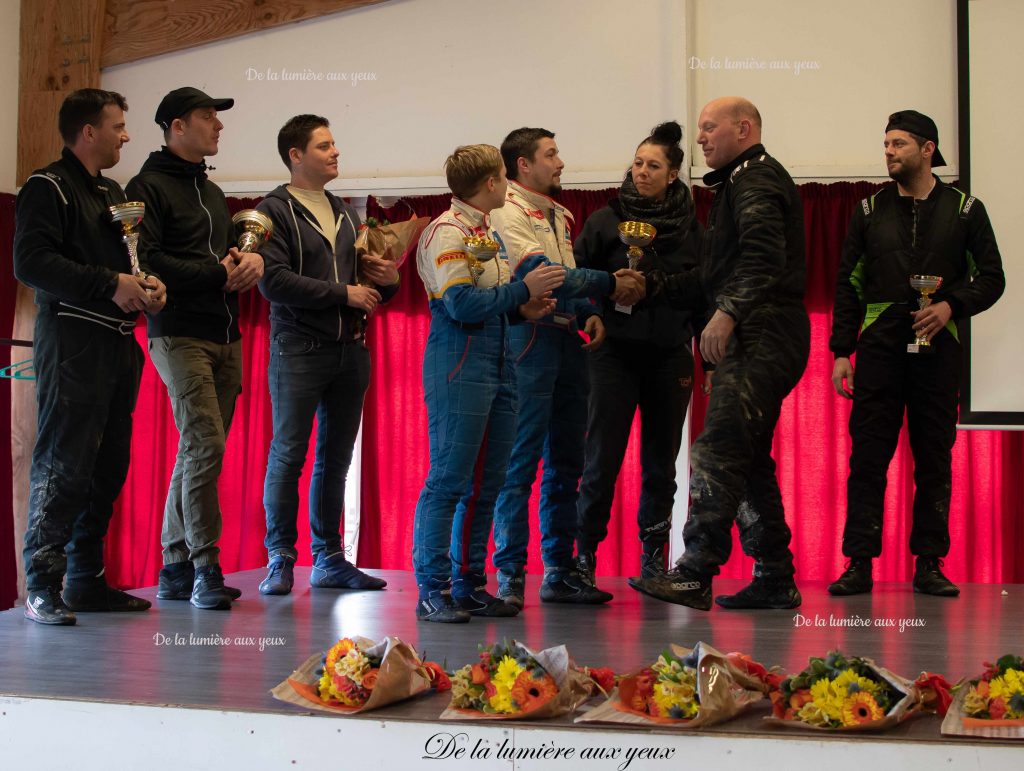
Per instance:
(195,342)
(319,364)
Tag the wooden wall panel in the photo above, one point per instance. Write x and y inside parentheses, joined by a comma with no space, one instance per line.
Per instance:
(136,29)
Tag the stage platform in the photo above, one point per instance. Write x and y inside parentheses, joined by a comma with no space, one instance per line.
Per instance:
(182,688)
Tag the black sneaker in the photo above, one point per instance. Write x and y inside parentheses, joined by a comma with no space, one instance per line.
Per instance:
(45,606)
(928,578)
(95,596)
(652,562)
(280,576)
(208,592)
(470,594)
(336,572)
(856,579)
(567,585)
(176,581)
(439,607)
(776,593)
(679,585)
(512,588)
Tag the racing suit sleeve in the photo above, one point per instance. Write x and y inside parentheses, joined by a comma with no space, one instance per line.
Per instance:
(41,219)
(989,281)
(848,313)
(465,302)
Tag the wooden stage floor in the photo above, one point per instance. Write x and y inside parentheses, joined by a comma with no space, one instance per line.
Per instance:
(168,656)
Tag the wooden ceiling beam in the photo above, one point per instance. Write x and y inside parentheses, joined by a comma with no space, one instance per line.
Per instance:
(138,29)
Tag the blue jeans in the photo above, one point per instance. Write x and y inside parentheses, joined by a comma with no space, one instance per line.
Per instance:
(469,388)
(552,384)
(310,377)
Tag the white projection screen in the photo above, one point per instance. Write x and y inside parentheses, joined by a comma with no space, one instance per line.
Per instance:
(991,61)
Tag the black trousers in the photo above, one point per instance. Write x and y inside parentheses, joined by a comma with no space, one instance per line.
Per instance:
(625,376)
(87,382)
(889,382)
(732,473)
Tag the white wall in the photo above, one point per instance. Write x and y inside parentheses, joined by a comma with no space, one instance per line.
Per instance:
(10,12)
(439,74)
(849,66)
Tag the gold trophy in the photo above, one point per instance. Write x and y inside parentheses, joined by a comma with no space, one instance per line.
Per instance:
(635,235)
(128,215)
(479,251)
(927,286)
(252,229)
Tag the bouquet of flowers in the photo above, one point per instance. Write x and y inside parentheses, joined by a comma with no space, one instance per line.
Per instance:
(392,241)
(357,675)
(991,706)
(510,681)
(837,693)
(686,688)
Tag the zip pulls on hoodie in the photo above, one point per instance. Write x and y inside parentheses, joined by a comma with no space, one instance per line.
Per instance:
(209,246)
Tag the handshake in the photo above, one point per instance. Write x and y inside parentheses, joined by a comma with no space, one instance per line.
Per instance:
(630,287)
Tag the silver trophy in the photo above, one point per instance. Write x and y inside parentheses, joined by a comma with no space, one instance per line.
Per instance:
(479,251)
(128,215)
(252,229)
(927,286)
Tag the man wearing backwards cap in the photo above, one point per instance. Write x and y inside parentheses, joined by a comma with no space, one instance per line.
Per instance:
(917,226)
(195,343)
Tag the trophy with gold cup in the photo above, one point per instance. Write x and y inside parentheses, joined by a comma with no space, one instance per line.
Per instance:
(927,286)
(635,235)
(479,250)
(252,229)
(128,215)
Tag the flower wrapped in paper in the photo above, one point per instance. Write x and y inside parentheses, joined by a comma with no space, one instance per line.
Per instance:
(992,706)
(836,693)
(357,675)
(391,240)
(510,682)
(686,688)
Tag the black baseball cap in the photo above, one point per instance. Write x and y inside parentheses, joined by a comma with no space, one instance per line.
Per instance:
(917,123)
(182,101)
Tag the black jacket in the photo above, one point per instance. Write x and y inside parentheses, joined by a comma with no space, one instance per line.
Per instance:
(185,234)
(307,284)
(753,250)
(66,246)
(893,237)
(653,320)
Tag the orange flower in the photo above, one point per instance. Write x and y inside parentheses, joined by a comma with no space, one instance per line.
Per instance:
(645,682)
(478,674)
(997,708)
(338,651)
(531,692)
(800,698)
(778,704)
(437,676)
(982,689)
(370,679)
(861,708)
(603,676)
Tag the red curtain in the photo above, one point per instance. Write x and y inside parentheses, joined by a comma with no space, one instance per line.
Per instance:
(811,445)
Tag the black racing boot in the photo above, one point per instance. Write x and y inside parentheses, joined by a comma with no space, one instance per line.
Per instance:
(512,587)
(679,585)
(45,606)
(856,579)
(94,595)
(436,604)
(470,593)
(569,586)
(280,576)
(176,581)
(762,592)
(652,561)
(208,591)
(928,578)
(335,572)
(586,565)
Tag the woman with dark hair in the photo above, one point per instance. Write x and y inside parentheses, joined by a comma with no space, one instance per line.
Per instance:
(646,361)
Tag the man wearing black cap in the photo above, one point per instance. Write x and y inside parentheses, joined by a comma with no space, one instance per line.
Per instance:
(917,226)
(195,343)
